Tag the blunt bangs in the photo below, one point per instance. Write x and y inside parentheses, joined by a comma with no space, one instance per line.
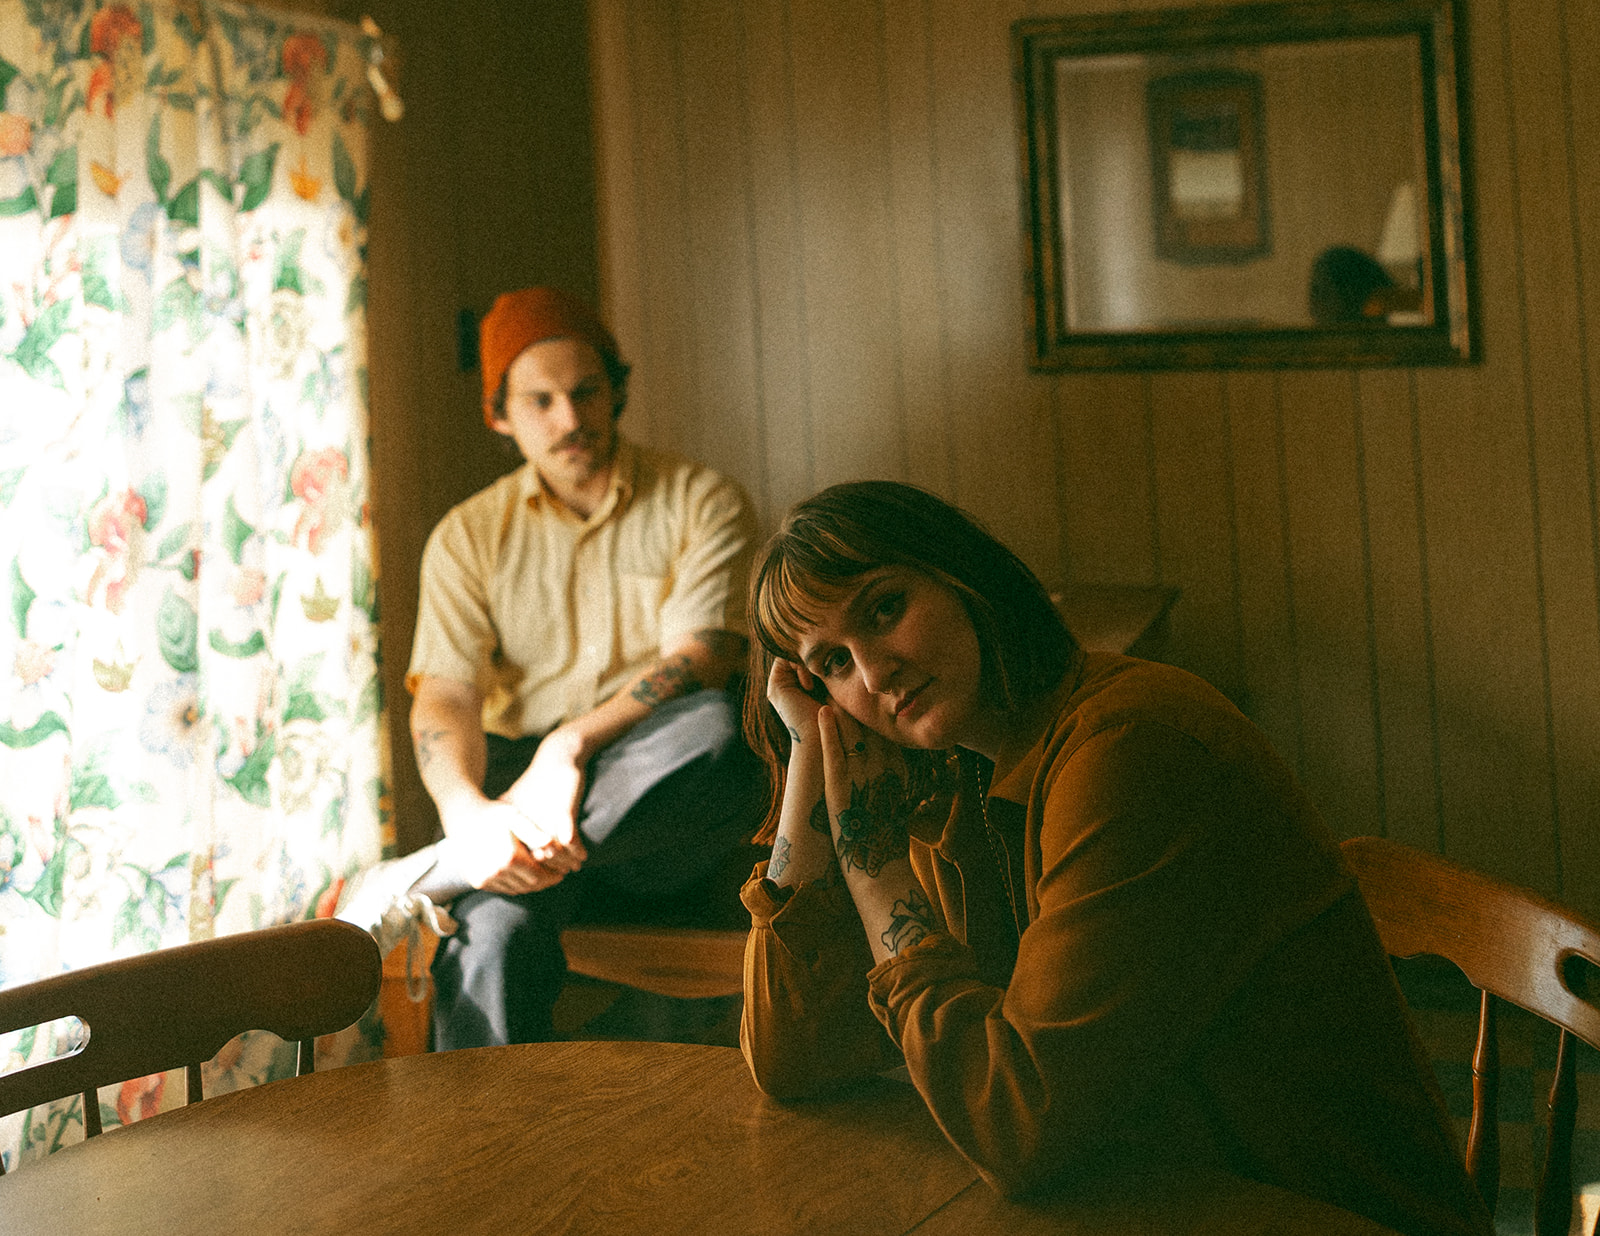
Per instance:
(795,581)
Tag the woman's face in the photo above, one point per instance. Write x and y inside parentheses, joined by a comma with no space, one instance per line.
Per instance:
(897,651)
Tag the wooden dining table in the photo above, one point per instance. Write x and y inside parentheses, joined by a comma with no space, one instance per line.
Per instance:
(583,1137)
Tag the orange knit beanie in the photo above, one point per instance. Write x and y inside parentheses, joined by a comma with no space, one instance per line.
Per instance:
(521,319)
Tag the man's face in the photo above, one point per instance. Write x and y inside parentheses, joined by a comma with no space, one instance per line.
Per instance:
(559,411)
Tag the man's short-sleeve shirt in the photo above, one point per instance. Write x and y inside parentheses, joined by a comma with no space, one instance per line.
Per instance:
(549,614)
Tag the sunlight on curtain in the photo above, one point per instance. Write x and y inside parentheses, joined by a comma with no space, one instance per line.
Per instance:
(190,731)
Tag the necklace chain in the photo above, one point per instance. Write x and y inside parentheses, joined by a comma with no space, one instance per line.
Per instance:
(1001,866)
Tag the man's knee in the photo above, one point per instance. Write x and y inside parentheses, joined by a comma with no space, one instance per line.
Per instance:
(497,977)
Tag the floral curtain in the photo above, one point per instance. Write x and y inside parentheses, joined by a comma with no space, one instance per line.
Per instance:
(190,730)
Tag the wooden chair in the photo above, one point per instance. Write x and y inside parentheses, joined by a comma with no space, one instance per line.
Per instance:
(177,1007)
(1512,945)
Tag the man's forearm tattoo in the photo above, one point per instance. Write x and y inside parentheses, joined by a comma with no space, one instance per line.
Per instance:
(872,829)
(780,857)
(911,919)
(666,681)
(427,745)
(819,818)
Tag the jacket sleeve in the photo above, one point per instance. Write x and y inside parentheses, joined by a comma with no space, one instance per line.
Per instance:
(1150,911)
(806,1026)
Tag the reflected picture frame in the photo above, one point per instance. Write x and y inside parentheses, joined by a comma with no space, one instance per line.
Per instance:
(1192,58)
(1208,168)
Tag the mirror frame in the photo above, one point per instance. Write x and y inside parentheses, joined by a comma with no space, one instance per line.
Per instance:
(1038,43)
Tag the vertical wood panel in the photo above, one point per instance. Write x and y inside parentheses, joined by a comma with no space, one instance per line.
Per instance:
(1557,420)
(1195,520)
(1482,570)
(1270,676)
(1399,610)
(1579,45)
(918,247)
(776,204)
(719,426)
(1105,484)
(1341,750)
(662,396)
(1006,472)
(622,291)
(850,305)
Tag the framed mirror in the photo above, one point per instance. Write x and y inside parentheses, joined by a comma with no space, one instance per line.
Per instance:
(1256,185)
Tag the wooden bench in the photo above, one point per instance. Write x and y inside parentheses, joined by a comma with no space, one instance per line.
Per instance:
(689,962)
(689,946)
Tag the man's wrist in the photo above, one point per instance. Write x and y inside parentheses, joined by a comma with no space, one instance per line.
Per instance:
(457,809)
(569,742)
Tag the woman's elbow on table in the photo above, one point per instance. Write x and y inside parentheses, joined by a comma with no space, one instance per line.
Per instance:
(1032,1169)
(780,1071)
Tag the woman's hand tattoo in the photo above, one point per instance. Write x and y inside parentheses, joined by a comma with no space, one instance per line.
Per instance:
(872,829)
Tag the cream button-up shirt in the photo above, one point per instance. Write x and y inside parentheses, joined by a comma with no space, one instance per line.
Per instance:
(549,614)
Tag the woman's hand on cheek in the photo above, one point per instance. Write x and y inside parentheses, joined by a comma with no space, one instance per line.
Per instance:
(789,691)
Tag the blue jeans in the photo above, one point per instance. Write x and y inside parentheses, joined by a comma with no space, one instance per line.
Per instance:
(665,805)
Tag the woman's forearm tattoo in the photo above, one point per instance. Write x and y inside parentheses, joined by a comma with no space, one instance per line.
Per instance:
(872,829)
(780,857)
(910,920)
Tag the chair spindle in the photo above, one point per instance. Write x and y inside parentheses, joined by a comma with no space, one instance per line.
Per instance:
(193,1090)
(1552,1203)
(1483,1137)
(308,1057)
(1511,943)
(91,1112)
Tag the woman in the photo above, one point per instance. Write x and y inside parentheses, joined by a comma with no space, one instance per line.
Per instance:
(1077,893)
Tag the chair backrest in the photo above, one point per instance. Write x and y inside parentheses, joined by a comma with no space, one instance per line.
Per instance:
(177,1007)
(1512,944)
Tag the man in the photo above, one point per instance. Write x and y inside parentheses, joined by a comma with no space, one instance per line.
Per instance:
(577,624)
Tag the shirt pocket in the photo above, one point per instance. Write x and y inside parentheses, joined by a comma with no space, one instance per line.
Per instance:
(640,596)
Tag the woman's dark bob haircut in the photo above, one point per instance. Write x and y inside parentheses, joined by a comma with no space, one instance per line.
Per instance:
(829,541)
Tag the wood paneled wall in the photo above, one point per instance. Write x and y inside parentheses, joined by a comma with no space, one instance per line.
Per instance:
(810,244)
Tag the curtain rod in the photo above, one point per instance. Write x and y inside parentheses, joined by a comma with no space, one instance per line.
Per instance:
(389,101)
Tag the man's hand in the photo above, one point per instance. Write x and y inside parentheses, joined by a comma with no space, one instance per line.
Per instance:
(488,835)
(547,797)
(491,856)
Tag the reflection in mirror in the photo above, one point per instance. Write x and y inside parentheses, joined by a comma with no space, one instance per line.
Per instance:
(1245,186)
